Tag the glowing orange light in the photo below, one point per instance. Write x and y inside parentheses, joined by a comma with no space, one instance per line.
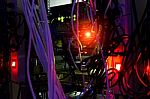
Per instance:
(88,34)
(118,66)
(85,52)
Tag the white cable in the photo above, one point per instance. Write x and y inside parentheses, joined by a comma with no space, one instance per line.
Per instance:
(72,24)
(108,5)
(69,49)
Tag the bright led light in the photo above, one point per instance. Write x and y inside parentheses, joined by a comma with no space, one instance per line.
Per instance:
(13,64)
(88,34)
(118,66)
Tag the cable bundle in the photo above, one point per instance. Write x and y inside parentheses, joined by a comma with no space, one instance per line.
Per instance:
(134,77)
(40,36)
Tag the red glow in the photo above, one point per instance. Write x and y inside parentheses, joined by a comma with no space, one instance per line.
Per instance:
(148,69)
(14,60)
(14,65)
(118,66)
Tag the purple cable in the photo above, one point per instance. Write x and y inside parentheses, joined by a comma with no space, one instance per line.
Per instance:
(107,81)
(53,83)
(41,37)
(29,47)
(51,55)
